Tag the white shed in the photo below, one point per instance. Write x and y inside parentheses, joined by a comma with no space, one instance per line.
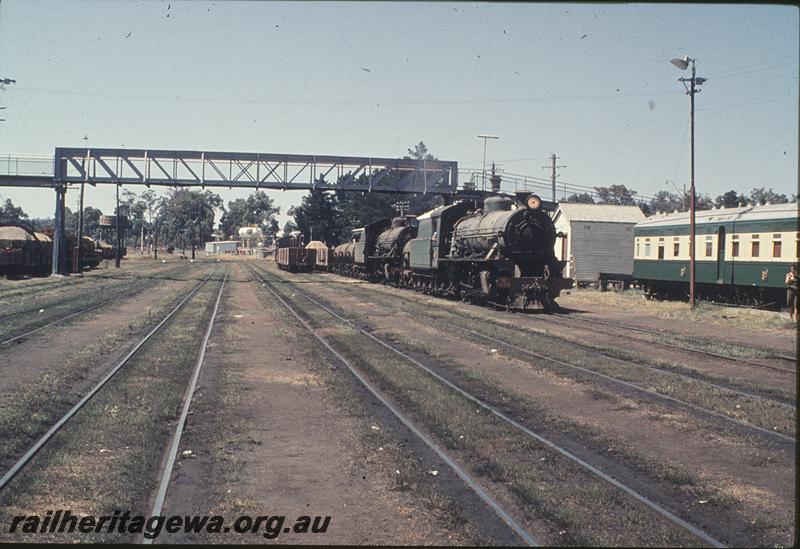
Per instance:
(222,247)
(598,238)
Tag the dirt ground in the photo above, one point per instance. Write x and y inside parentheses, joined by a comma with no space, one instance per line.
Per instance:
(32,356)
(272,432)
(762,329)
(267,438)
(754,482)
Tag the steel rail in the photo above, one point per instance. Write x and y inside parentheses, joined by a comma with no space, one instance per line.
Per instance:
(688,377)
(676,346)
(187,401)
(66,417)
(593,469)
(67,317)
(78,285)
(473,484)
(85,310)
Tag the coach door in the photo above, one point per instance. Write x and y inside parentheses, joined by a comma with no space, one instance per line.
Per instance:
(721,255)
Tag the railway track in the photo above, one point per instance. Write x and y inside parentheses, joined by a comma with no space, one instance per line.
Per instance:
(593,470)
(72,314)
(626,387)
(690,349)
(172,452)
(42,441)
(504,515)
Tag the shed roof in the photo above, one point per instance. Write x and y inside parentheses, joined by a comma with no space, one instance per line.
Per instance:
(720,215)
(608,213)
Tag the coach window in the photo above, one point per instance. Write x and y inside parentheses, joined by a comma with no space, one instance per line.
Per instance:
(735,246)
(637,247)
(755,247)
(676,247)
(647,247)
(709,245)
(776,245)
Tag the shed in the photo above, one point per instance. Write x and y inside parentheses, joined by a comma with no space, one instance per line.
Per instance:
(222,247)
(597,238)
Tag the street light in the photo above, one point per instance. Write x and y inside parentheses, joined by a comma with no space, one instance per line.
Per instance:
(485,137)
(691,89)
(683,193)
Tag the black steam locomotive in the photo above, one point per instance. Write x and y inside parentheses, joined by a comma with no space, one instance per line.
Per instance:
(497,253)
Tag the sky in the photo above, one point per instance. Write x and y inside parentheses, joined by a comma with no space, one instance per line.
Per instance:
(591,83)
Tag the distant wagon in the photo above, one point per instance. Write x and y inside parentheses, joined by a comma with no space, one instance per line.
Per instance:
(292,255)
(742,254)
(321,261)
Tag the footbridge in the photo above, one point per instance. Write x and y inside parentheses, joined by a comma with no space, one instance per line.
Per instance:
(177,168)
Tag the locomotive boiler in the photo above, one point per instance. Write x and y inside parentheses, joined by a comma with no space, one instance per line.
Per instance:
(391,252)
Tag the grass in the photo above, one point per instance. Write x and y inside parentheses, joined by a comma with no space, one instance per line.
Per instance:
(545,486)
(107,457)
(35,311)
(386,445)
(758,411)
(690,485)
(634,301)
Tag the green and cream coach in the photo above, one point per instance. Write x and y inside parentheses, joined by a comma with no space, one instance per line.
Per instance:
(742,254)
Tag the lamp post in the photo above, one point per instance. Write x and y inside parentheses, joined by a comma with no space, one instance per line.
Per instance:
(691,89)
(683,193)
(483,173)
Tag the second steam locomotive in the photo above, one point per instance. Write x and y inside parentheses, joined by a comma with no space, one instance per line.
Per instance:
(500,254)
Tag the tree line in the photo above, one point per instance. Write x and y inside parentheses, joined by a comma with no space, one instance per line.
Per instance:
(182,218)
(665,201)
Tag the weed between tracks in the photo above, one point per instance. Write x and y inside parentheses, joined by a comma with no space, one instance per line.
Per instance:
(109,455)
(757,411)
(37,311)
(740,521)
(577,508)
(404,466)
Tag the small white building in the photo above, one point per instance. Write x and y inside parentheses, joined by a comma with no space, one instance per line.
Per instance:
(222,247)
(597,238)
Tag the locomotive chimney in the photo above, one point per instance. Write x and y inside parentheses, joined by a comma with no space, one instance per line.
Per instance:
(495,179)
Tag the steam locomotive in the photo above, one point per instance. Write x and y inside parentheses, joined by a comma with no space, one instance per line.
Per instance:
(498,254)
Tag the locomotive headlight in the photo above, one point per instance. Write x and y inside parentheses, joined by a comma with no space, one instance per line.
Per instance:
(533,202)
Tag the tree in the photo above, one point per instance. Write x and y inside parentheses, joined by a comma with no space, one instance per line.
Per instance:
(665,201)
(14,215)
(420,152)
(615,194)
(289,226)
(257,209)
(730,199)
(761,196)
(318,217)
(187,216)
(703,202)
(583,198)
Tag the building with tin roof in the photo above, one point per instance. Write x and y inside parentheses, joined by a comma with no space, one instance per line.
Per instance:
(595,238)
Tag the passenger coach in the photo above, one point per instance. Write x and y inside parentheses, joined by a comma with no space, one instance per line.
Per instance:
(741,254)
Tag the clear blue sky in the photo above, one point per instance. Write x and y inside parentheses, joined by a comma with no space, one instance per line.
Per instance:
(591,83)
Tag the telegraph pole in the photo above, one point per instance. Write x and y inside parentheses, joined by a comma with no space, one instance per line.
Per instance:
(553,158)
(691,89)
(118,255)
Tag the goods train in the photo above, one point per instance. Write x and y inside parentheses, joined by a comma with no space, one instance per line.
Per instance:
(291,255)
(499,254)
(24,251)
(742,254)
